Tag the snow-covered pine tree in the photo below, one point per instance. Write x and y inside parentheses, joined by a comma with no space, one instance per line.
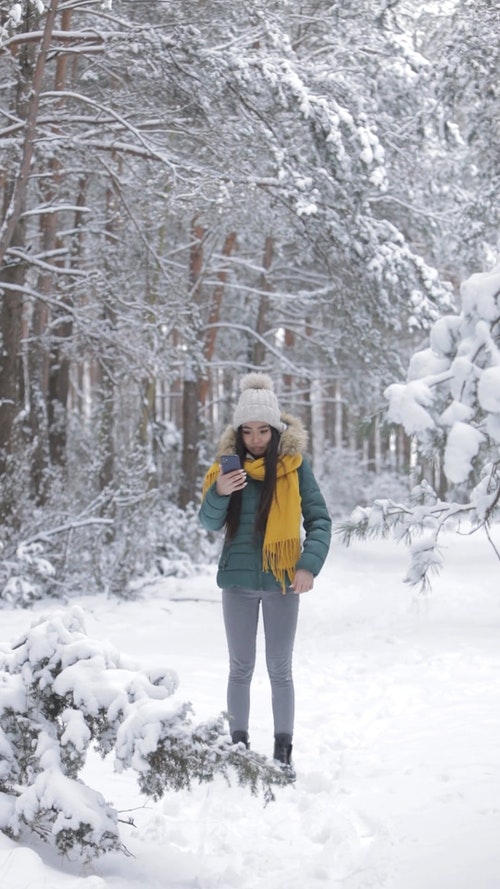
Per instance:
(450,404)
(63,692)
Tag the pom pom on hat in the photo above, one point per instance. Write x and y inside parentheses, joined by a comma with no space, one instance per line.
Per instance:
(257,402)
(256,381)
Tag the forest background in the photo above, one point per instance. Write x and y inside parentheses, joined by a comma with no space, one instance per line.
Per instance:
(190,190)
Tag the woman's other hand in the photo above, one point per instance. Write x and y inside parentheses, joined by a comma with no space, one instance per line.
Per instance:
(303,581)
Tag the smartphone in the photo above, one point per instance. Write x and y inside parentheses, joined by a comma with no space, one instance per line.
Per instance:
(230,462)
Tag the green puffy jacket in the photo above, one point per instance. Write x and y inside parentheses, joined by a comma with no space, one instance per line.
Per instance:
(240,562)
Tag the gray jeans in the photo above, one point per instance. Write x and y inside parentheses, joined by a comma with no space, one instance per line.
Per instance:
(241,616)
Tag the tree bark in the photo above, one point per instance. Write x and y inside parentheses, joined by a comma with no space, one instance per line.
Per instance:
(259,349)
(11,316)
(191,430)
(190,388)
(213,317)
(34,86)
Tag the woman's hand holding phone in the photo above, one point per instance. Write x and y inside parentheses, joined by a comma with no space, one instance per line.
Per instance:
(232,477)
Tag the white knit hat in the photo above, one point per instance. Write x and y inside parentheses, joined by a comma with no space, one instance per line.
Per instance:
(257,402)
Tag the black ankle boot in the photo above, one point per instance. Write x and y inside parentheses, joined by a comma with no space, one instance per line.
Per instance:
(283,754)
(239,737)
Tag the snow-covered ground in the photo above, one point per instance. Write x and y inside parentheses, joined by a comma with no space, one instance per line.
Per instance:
(397,743)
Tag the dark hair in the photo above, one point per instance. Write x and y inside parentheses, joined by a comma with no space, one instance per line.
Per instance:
(268,486)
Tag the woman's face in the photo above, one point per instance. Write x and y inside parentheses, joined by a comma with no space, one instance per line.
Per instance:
(256,437)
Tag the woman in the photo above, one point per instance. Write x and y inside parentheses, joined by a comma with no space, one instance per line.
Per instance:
(263,563)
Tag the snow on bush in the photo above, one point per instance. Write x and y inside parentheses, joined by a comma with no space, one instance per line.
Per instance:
(60,693)
(458,385)
(24,576)
(155,538)
(450,403)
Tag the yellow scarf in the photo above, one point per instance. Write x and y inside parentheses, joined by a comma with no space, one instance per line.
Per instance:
(281,548)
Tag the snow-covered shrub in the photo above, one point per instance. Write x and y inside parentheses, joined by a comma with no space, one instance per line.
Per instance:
(62,692)
(179,541)
(26,576)
(115,549)
(450,403)
(155,538)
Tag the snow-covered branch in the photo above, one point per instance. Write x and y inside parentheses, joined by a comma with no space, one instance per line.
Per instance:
(451,405)
(418,524)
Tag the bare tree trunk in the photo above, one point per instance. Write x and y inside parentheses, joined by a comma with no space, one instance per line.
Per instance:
(190,404)
(317,432)
(403,451)
(106,430)
(175,394)
(259,349)
(213,318)
(12,272)
(107,387)
(288,379)
(32,87)
(11,315)
(377,445)
(191,429)
(79,370)
(38,422)
(38,354)
(338,441)
(58,393)
(59,367)
(12,235)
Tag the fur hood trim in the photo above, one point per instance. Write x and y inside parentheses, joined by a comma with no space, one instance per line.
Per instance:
(293,439)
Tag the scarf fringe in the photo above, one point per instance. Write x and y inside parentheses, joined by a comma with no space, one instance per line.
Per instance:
(281,558)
